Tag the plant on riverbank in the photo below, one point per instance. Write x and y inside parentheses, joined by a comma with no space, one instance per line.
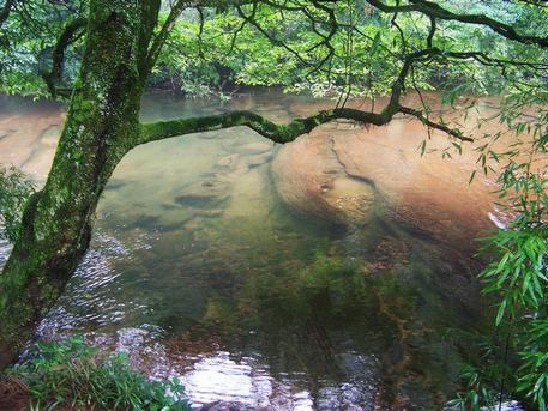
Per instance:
(71,373)
(517,277)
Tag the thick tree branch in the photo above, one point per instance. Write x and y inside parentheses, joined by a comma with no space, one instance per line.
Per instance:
(68,36)
(277,133)
(398,86)
(148,16)
(161,37)
(434,10)
(281,133)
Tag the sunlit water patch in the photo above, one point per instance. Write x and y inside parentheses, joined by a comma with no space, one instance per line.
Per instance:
(246,381)
(89,301)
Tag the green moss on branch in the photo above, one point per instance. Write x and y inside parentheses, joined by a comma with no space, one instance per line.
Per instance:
(279,133)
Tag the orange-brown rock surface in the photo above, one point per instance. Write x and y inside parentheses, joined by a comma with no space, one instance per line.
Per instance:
(344,171)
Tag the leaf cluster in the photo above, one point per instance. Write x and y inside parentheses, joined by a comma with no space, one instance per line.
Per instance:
(517,276)
(27,45)
(69,372)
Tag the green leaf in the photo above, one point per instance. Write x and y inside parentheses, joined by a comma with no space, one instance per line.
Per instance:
(472,175)
(500,312)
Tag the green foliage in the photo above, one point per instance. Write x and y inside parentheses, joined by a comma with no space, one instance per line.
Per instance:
(517,276)
(517,279)
(478,393)
(27,41)
(72,373)
(338,50)
(182,66)
(15,190)
(533,381)
(302,54)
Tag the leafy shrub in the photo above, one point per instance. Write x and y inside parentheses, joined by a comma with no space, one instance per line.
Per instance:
(69,372)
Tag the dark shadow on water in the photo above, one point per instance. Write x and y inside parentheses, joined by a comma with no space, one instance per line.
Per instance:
(200,200)
(114,185)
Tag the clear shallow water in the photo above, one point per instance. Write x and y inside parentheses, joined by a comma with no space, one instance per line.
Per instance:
(205,266)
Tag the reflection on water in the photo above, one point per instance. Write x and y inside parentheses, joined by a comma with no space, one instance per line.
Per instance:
(326,274)
(240,377)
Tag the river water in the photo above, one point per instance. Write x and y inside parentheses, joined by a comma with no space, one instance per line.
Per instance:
(335,272)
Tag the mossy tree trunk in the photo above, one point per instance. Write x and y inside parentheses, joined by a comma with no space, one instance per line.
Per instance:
(101,126)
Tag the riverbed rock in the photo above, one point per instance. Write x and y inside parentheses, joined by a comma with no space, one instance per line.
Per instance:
(231,406)
(229,161)
(258,160)
(342,173)
(309,177)
(255,148)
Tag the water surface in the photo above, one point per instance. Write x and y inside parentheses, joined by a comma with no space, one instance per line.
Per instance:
(331,273)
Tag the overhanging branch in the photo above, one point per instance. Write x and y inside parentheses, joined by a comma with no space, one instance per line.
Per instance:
(453,132)
(278,133)
(434,10)
(281,133)
(289,132)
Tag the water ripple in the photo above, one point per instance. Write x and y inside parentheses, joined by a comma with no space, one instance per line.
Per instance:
(91,300)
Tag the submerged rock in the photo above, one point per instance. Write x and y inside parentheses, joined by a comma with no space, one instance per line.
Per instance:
(229,161)
(209,193)
(255,148)
(258,160)
(309,177)
(345,174)
(198,200)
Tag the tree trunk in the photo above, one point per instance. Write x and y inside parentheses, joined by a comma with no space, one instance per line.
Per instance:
(101,126)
